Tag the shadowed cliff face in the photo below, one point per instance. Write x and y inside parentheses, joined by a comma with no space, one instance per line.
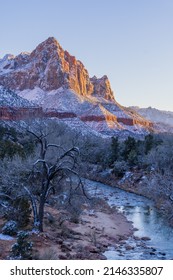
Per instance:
(14,114)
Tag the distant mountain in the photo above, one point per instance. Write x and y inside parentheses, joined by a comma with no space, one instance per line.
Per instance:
(163,119)
(58,82)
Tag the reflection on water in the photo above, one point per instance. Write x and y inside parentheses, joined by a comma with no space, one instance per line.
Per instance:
(152,224)
(142,213)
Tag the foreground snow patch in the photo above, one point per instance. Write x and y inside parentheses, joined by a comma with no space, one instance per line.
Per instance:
(5,237)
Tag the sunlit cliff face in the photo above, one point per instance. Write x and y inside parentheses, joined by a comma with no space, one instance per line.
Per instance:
(49,67)
(52,78)
(111,119)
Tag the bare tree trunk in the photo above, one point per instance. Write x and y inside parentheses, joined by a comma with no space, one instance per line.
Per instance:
(41,205)
(63,162)
(34,206)
(41,212)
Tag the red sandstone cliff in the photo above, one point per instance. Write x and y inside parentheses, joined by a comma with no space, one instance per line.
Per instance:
(48,67)
(16,113)
(102,88)
(59,82)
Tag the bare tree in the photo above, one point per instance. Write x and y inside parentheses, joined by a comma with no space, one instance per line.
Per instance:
(46,169)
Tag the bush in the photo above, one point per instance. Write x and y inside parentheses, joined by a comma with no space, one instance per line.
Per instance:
(22,210)
(22,249)
(19,211)
(119,168)
(10,228)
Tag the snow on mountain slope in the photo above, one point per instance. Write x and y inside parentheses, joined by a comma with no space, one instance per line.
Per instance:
(11,99)
(155,115)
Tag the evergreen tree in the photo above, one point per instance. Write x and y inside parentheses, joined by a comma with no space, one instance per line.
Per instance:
(22,249)
(13,143)
(115,150)
(148,143)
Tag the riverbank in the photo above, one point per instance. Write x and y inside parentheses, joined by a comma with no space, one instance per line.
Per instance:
(103,229)
(137,181)
(98,227)
(153,238)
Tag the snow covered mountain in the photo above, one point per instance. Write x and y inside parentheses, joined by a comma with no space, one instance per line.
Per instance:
(162,120)
(58,82)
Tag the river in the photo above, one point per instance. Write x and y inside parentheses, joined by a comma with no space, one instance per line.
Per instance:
(146,219)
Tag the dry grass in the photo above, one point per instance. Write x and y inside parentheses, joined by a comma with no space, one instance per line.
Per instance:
(47,254)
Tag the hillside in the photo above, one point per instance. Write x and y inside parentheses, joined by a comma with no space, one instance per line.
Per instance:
(163,119)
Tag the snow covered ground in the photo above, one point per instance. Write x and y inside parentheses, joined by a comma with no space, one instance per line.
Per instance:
(5,237)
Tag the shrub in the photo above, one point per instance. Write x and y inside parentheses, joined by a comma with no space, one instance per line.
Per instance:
(22,249)
(119,168)
(19,211)
(10,228)
(23,211)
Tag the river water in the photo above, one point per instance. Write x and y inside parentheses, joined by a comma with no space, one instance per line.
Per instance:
(146,219)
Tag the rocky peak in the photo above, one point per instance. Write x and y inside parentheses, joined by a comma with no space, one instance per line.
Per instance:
(6,62)
(7,57)
(46,49)
(102,88)
(51,41)
(49,67)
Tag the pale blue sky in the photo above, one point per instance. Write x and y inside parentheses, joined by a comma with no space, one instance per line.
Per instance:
(131,41)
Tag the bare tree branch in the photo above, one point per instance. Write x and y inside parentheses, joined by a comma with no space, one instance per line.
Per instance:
(62,164)
(56,146)
(7,196)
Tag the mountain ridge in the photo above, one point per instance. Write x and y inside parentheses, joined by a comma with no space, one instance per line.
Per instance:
(47,61)
(56,81)
(162,119)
